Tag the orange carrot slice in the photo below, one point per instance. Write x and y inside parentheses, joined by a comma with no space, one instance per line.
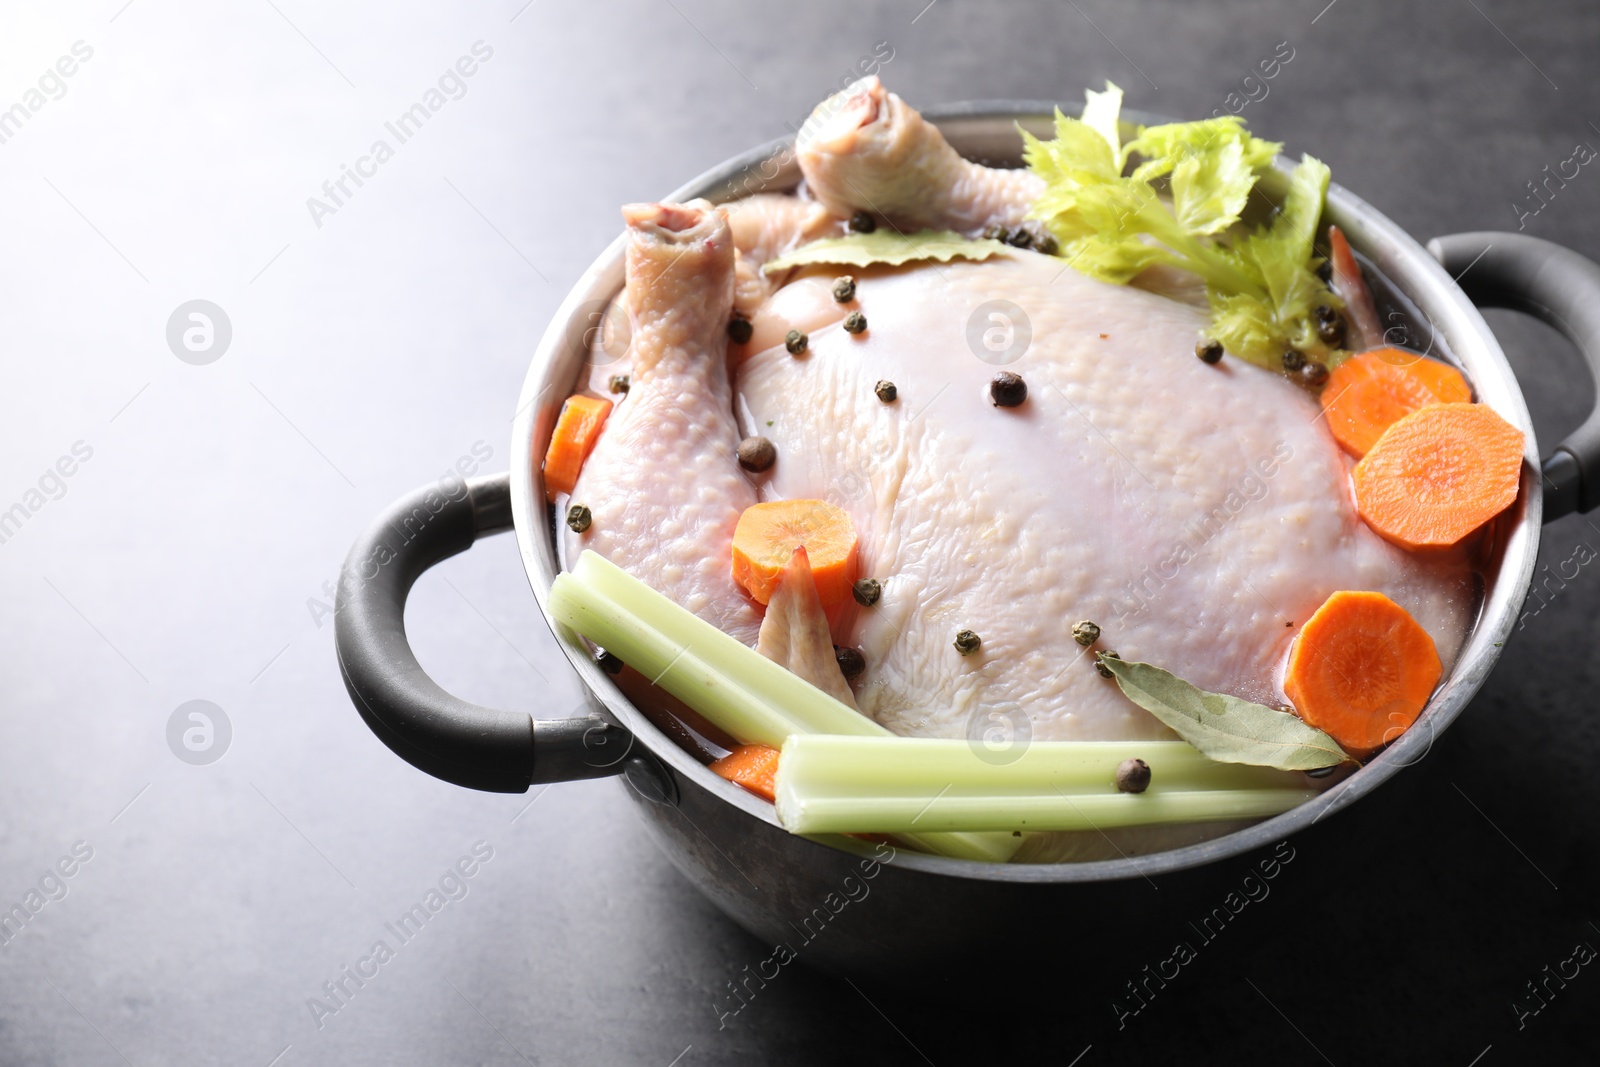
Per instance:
(1361,670)
(767,535)
(752,766)
(1438,474)
(1368,393)
(577,429)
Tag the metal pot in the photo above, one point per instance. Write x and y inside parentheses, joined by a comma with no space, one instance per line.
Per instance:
(810,898)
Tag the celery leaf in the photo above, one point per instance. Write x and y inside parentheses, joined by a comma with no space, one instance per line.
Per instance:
(1181,206)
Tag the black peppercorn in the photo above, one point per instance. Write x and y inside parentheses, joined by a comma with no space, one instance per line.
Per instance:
(844,289)
(1085,633)
(1293,359)
(861,222)
(579,518)
(620,383)
(967,642)
(739,331)
(1331,330)
(855,322)
(1320,772)
(1046,244)
(757,454)
(1209,351)
(609,662)
(866,591)
(796,342)
(1133,776)
(1020,238)
(1314,374)
(886,392)
(1105,672)
(851,661)
(1007,390)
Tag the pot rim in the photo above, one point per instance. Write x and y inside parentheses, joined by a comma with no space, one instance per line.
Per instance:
(1402,260)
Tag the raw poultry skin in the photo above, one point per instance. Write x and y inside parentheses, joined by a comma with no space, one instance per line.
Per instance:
(662,484)
(866,149)
(795,633)
(1197,513)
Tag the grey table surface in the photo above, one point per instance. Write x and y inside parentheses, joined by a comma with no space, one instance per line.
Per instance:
(188,554)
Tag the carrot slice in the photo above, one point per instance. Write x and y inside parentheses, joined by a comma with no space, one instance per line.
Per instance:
(767,535)
(752,766)
(1370,392)
(1361,670)
(1438,474)
(577,429)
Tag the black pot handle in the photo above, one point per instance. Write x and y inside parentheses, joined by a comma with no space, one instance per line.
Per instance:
(1561,288)
(497,751)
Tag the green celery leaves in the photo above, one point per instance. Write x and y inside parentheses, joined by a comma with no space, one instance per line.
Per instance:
(1262,286)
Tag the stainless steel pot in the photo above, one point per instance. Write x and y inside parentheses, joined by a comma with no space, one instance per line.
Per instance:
(812,898)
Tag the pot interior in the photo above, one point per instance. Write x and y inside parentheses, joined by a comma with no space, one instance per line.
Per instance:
(987,131)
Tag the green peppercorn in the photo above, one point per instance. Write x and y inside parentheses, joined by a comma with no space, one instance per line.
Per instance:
(1105,672)
(1133,776)
(861,222)
(620,383)
(610,662)
(844,289)
(1209,351)
(867,591)
(739,330)
(1314,374)
(757,454)
(1293,359)
(579,518)
(886,392)
(967,642)
(796,342)
(1085,633)
(855,322)
(1007,390)
(851,661)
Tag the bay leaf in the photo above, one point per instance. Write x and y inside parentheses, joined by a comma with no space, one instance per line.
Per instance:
(1225,728)
(888,247)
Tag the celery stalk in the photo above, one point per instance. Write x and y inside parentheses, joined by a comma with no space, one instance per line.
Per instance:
(735,687)
(904,766)
(800,706)
(898,784)
(866,813)
(985,848)
(732,685)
